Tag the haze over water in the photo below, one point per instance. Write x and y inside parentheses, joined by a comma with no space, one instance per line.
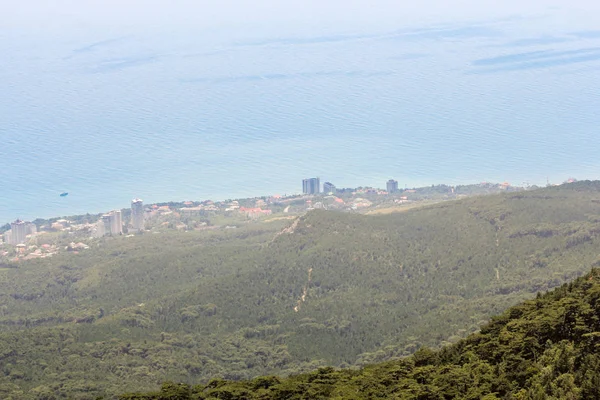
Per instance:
(225,100)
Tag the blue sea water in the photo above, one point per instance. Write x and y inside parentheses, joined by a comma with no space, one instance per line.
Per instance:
(110,117)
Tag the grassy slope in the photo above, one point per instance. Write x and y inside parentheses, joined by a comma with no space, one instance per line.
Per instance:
(189,306)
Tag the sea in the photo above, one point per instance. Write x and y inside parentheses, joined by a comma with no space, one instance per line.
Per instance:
(110,115)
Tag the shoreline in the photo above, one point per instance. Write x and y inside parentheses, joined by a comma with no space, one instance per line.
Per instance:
(345,193)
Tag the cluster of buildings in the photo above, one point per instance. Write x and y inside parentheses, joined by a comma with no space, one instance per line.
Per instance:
(19,232)
(111,223)
(255,212)
(391,186)
(205,206)
(312,186)
(329,187)
(25,252)
(232,206)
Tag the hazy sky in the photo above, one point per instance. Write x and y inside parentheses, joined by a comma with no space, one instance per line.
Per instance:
(268,16)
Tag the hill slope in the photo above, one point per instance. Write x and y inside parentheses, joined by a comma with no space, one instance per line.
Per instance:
(280,297)
(547,348)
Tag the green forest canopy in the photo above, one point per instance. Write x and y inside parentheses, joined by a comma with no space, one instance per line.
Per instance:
(546,348)
(284,297)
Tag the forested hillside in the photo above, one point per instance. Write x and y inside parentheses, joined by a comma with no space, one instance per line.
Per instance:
(546,348)
(285,296)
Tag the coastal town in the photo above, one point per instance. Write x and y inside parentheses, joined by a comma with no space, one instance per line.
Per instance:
(26,240)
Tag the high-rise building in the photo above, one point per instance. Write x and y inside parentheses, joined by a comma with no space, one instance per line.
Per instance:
(8,237)
(137,214)
(116,223)
(105,224)
(19,231)
(109,224)
(98,229)
(392,186)
(311,186)
(329,187)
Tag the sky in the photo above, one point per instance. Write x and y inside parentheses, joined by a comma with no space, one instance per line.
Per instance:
(266,16)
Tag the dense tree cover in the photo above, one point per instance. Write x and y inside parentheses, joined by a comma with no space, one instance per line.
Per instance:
(546,348)
(284,297)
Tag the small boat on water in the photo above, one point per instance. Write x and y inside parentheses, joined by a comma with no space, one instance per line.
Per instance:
(64,194)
